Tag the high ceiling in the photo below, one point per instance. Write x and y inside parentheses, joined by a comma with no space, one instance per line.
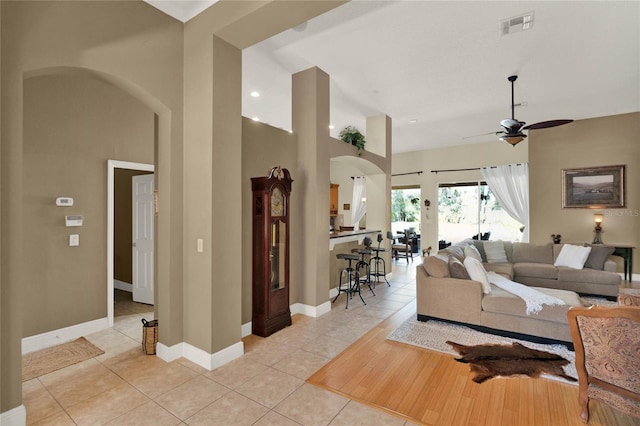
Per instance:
(439,68)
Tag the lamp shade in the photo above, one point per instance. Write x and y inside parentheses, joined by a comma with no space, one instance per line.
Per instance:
(598,218)
(513,139)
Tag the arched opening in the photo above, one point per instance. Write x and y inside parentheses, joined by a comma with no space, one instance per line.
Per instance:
(76,120)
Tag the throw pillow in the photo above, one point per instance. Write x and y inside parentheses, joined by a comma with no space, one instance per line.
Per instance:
(495,252)
(472,251)
(456,251)
(436,266)
(477,273)
(597,256)
(572,256)
(457,269)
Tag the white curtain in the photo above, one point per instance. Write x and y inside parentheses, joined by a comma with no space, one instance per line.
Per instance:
(358,203)
(510,184)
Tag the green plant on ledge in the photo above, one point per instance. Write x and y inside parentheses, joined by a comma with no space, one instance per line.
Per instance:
(353,136)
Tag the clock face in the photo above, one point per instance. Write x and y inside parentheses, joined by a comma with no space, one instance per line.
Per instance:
(277,202)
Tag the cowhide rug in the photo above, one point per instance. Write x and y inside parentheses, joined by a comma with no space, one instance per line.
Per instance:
(491,360)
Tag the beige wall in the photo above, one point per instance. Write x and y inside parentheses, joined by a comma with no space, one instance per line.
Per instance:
(73,125)
(129,45)
(264,147)
(604,141)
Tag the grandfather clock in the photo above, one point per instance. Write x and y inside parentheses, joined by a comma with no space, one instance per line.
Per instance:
(271,252)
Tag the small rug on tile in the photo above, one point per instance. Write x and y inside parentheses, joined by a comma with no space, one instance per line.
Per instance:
(434,335)
(45,361)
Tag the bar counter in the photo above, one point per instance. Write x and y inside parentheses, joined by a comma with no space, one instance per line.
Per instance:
(340,237)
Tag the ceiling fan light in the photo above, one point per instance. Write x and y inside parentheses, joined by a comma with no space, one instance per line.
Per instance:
(513,139)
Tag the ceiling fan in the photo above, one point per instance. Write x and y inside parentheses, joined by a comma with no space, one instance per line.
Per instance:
(513,130)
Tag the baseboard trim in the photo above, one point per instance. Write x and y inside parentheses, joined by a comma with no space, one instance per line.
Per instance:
(296,308)
(246,329)
(62,335)
(311,311)
(124,286)
(14,417)
(199,356)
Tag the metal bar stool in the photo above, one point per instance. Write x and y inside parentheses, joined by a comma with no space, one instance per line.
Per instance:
(352,284)
(376,261)
(363,264)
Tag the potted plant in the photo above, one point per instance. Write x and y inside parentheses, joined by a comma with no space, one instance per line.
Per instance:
(353,136)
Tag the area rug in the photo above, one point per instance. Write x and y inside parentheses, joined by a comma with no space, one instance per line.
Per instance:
(47,360)
(488,361)
(434,335)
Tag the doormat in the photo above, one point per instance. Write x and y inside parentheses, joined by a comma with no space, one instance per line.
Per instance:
(48,360)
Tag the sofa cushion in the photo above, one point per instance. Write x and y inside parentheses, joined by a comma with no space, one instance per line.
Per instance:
(598,255)
(477,273)
(504,269)
(527,252)
(472,251)
(479,244)
(494,251)
(457,269)
(588,276)
(456,251)
(503,302)
(535,270)
(436,266)
(572,256)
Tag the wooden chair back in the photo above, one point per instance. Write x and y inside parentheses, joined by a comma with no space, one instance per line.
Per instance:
(607,347)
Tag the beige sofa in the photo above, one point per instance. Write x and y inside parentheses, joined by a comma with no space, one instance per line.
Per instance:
(443,296)
(533,265)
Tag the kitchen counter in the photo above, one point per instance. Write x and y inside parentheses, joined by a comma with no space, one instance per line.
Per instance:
(340,237)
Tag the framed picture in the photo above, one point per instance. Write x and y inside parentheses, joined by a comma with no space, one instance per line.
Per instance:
(593,187)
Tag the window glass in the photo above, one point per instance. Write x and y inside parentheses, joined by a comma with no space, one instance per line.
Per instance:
(468,210)
(405,209)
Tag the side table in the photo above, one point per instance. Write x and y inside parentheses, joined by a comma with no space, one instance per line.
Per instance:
(626,252)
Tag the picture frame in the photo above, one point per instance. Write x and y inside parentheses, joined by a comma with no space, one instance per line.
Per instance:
(594,187)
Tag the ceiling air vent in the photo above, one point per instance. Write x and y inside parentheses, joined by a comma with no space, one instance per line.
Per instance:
(516,24)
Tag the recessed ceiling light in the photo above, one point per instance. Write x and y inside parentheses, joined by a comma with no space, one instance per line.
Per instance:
(255,119)
(413,120)
(255,94)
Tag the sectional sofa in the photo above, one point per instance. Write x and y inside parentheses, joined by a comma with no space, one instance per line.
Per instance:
(444,292)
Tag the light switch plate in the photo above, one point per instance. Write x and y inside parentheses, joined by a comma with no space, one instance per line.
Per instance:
(74,240)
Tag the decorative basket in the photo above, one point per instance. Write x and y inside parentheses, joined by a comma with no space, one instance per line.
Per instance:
(149,336)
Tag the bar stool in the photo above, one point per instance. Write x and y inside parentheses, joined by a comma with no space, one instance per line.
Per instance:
(376,261)
(352,284)
(363,264)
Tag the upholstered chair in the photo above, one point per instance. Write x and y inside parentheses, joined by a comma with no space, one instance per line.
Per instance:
(607,347)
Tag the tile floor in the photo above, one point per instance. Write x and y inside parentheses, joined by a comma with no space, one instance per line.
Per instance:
(266,386)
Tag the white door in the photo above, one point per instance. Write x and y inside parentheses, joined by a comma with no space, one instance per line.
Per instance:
(143,238)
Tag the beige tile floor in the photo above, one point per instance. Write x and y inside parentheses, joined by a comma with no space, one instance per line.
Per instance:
(266,386)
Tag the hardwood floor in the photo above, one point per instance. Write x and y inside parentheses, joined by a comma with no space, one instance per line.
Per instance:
(431,388)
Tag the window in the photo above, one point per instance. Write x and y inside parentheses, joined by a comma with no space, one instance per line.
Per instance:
(405,209)
(469,209)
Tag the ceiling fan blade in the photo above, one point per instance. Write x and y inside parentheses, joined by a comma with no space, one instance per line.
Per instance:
(484,134)
(546,124)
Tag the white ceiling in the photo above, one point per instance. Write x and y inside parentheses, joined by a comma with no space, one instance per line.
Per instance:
(445,64)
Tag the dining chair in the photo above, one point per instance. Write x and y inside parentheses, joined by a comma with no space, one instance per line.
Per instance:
(404,246)
(607,347)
